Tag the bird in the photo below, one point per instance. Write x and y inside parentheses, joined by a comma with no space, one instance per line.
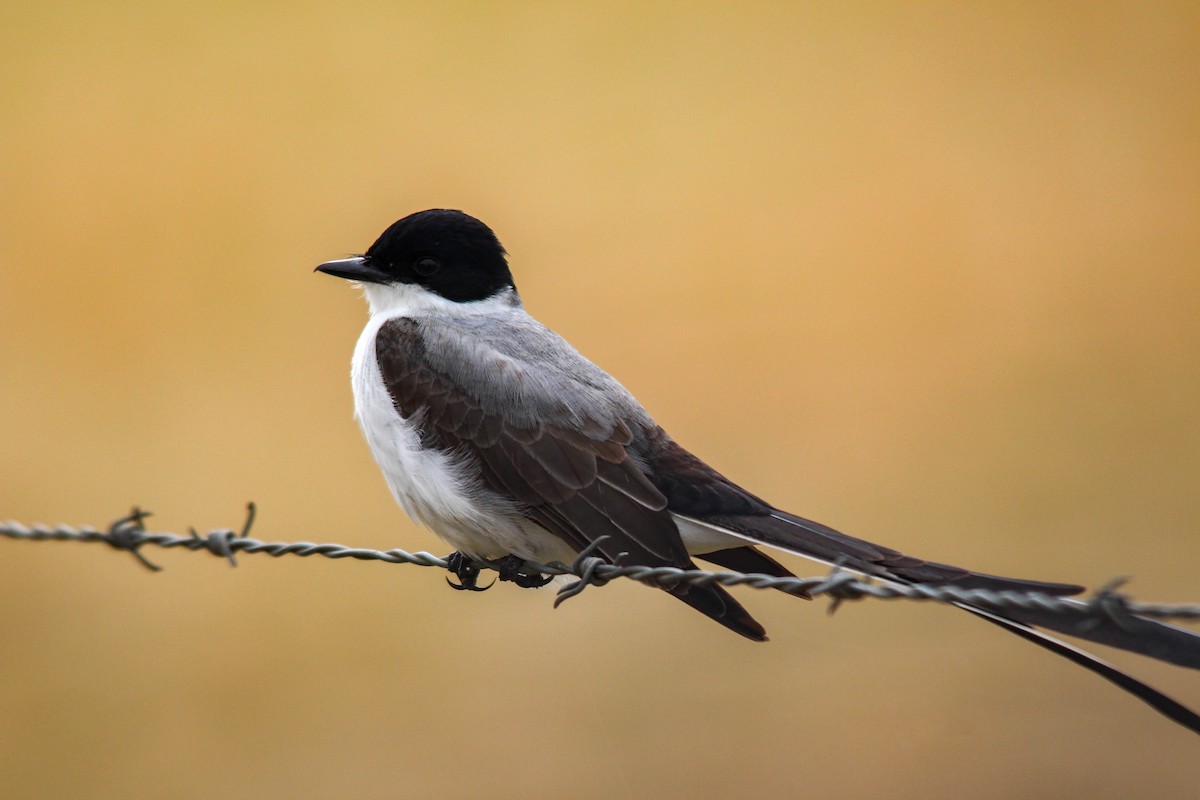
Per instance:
(498,435)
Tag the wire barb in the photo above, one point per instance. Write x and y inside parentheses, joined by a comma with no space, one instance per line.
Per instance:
(585,566)
(127,534)
(840,586)
(1109,604)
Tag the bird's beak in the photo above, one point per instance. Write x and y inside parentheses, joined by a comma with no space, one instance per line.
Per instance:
(358,268)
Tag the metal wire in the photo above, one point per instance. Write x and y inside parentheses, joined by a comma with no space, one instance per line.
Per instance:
(129,533)
(1108,617)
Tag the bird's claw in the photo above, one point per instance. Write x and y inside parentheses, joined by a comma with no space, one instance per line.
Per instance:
(513,568)
(467,571)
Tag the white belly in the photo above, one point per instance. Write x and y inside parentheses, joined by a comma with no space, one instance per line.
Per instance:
(432,486)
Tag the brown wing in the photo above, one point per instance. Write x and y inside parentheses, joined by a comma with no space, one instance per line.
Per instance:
(570,472)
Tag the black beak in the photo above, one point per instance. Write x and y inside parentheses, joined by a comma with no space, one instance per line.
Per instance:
(357,268)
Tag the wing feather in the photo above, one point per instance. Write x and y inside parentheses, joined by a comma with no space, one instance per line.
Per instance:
(570,471)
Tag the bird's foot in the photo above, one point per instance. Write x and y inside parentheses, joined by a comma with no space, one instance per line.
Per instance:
(467,571)
(513,568)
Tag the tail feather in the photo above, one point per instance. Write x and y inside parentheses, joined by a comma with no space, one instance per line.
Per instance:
(698,493)
(747,559)
(714,601)
(1148,637)
(810,539)
(1171,709)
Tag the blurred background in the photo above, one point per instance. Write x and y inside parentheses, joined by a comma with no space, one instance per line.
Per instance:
(928,275)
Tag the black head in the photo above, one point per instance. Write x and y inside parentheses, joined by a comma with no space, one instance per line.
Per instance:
(448,252)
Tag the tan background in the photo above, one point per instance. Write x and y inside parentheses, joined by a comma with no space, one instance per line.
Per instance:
(929,276)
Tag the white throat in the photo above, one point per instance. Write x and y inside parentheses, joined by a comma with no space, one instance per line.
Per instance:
(395,299)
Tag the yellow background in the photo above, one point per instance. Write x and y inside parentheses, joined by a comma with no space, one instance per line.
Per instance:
(930,275)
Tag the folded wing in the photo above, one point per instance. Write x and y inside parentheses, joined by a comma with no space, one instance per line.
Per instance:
(567,469)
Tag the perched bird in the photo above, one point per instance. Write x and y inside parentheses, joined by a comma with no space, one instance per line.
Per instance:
(498,435)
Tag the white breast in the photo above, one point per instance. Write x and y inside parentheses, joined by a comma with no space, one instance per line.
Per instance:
(425,482)
(432,486)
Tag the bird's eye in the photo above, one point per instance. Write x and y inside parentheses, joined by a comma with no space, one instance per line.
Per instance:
(427,266)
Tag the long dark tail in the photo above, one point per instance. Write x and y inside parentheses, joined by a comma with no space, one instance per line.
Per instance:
(1164,705)
(813,540)
(810,539)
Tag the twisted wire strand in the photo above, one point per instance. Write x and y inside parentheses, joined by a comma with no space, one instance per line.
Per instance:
(128,533)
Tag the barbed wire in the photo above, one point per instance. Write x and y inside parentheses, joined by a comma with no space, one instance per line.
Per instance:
(129,534)
(1108,617)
